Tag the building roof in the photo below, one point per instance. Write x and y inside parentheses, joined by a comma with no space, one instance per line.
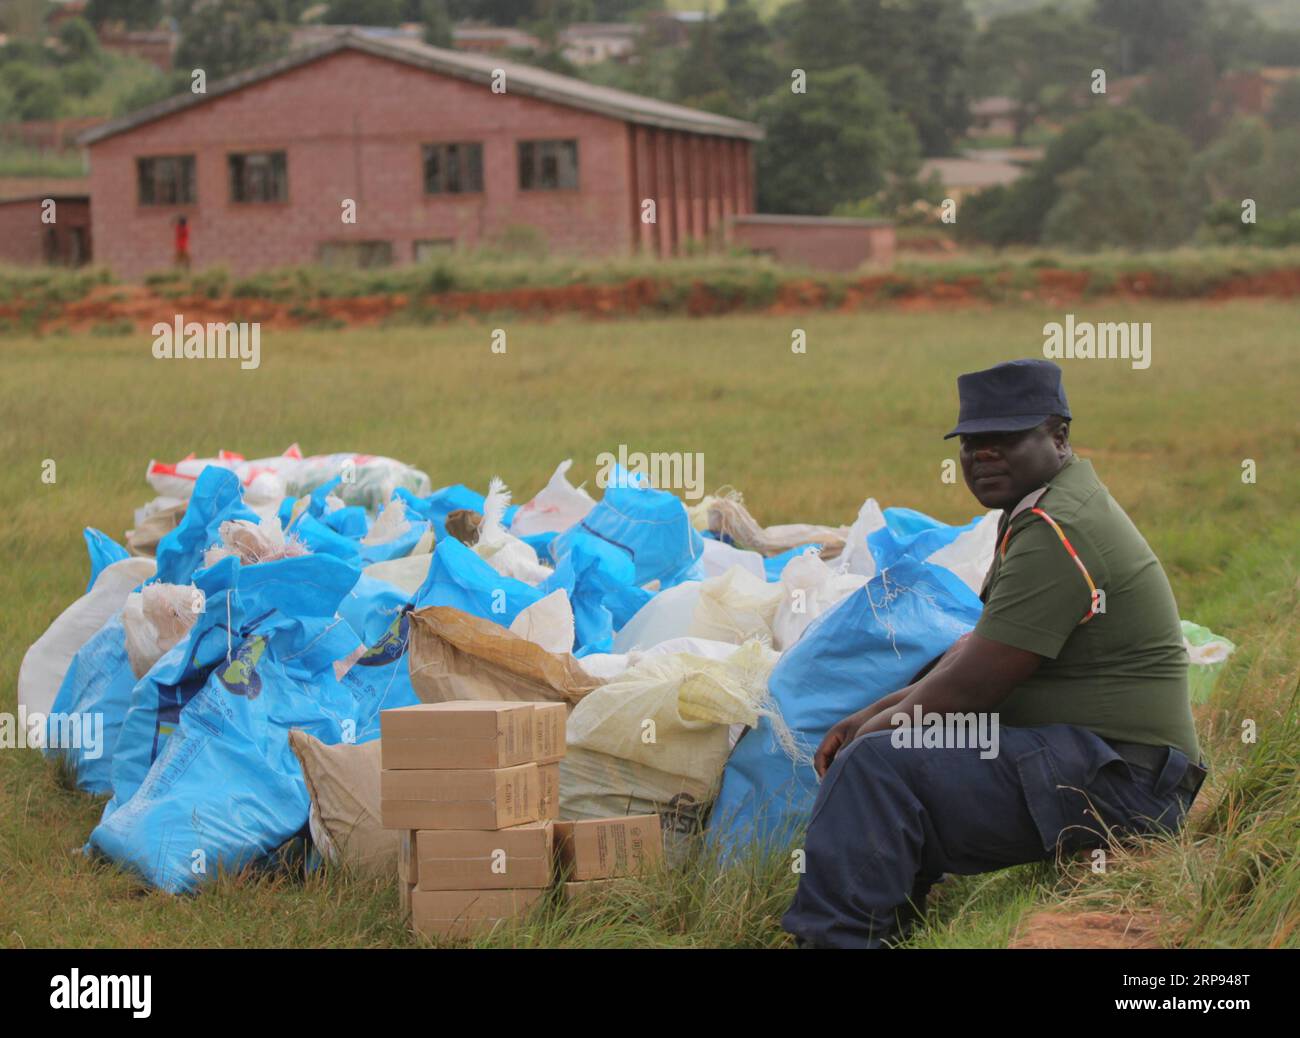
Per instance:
(993,106)
(971,173)
(476,68)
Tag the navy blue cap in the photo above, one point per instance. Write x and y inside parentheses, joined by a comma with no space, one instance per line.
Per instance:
(1019,394)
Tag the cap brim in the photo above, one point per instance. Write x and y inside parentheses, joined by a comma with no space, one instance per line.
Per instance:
(1007,423)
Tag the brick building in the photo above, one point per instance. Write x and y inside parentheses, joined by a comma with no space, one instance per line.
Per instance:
(436,148)
(26,239)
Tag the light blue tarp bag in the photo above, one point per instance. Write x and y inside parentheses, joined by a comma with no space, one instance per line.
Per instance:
(93,699)
(156,700)
(226,789)
(378,614)
(869,645)
(103,551)
(649,527)
(217,498)
(908,533)
(442,502)
(457,577)
(340,533)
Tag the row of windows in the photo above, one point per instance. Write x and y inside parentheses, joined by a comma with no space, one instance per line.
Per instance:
(449,169)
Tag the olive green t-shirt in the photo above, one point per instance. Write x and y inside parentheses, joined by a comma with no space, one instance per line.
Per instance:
(1123,674)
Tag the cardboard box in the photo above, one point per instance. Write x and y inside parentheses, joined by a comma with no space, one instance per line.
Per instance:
(465,859)
(583,891)
(406,856)
(603,848)
(549,721)
(548,777)
(490,798)
(466,913)
(456,735)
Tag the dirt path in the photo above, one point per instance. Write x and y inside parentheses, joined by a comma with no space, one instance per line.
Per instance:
(140,307)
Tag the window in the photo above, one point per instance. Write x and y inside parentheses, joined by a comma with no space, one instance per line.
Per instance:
(548,165)
(259,176)
(361,254)
(453,169)
(166,180)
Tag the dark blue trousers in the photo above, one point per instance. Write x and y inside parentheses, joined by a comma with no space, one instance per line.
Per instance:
(890,821)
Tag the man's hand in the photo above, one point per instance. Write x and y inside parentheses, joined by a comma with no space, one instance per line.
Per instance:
(841,733)
(844,732)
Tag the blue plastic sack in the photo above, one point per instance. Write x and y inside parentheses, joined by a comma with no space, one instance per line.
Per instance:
(217,498)
(226,788)
(457,577)
(441,503)
(595,584)
(378,613)
(869,645)
(237,599)
(94,696)
(649,527)
(103,551)
(908,533)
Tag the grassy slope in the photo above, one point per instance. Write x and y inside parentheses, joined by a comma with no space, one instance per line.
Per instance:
(806,438)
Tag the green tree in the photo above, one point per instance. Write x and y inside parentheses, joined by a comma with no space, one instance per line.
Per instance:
(223,39)
(839,142)
(1041,60)
(918,49)
(1014,215)
(78,40)
(744,54)
(1187,95)
(436,20)
(1147,31)
(815,34)
(1228,170)
(34,91)
(698,79)
(364,12)
(1129,192)
(153,90)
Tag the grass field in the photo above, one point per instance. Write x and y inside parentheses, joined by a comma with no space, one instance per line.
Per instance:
(806,438)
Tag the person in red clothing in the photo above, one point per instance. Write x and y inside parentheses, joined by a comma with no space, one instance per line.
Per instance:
(182,242)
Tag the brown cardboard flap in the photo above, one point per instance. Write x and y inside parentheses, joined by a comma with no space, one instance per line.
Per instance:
(456,656)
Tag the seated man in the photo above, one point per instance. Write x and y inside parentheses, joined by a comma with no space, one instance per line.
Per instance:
(1079,655)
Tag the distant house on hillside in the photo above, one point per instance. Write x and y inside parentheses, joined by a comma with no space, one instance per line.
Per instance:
(492,39)
(993,117)
(1252,93)
(962,177)
(434,149)
(589,43)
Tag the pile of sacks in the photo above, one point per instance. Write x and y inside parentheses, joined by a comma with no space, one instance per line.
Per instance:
(236,677)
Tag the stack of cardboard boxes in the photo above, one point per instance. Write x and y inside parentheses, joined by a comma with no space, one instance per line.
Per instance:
(473,786)
(475,789)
